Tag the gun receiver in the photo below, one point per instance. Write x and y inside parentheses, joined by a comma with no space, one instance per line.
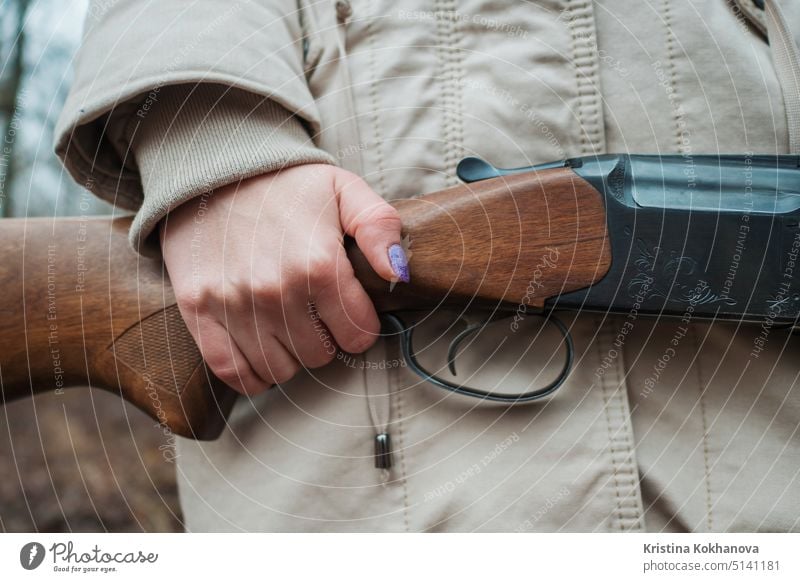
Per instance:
(716,237)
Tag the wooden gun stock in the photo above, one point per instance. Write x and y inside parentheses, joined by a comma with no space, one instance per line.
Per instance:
(80,308)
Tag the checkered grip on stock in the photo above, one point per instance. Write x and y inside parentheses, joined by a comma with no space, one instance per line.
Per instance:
(161,347)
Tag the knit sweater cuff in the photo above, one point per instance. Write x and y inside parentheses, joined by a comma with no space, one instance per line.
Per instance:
(196,138)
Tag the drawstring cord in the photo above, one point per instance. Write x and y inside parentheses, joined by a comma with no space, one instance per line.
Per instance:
(377,392)
(379,404)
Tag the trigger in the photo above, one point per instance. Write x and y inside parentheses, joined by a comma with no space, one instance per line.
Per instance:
(456,342)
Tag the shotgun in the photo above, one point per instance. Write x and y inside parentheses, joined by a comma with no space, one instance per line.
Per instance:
(714,236)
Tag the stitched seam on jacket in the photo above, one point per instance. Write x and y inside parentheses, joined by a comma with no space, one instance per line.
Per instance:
(609,431)
(397,392)
(448,42)
(611,447)
(672,77)
(348,132)
(585,63)
(375,102)
(704,420)
(625,476)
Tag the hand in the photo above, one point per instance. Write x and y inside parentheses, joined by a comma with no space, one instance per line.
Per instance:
(261,276)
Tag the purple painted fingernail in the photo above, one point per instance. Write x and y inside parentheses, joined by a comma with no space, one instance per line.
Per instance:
(399,261)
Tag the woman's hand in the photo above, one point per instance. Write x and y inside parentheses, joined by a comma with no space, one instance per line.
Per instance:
(261,276)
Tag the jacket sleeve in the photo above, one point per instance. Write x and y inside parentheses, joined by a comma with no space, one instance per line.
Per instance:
(170,100)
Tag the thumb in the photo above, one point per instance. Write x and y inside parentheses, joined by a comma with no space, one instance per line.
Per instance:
(374,224)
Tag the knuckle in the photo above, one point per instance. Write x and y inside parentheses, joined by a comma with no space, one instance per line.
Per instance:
(235,282)
(195,300)
(268,291)
(234,291)
(386,217)
(264,289)
(321,269)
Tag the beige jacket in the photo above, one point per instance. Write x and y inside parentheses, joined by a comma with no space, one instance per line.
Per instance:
(654,430)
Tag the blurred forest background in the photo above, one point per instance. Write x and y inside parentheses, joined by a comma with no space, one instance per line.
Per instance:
(81,461)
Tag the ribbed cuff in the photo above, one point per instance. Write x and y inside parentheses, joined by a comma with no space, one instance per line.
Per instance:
(193,139)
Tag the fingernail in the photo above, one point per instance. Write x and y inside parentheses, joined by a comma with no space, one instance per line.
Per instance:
(399,261)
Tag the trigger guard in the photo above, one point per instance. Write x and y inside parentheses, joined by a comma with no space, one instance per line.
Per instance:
(406,344)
